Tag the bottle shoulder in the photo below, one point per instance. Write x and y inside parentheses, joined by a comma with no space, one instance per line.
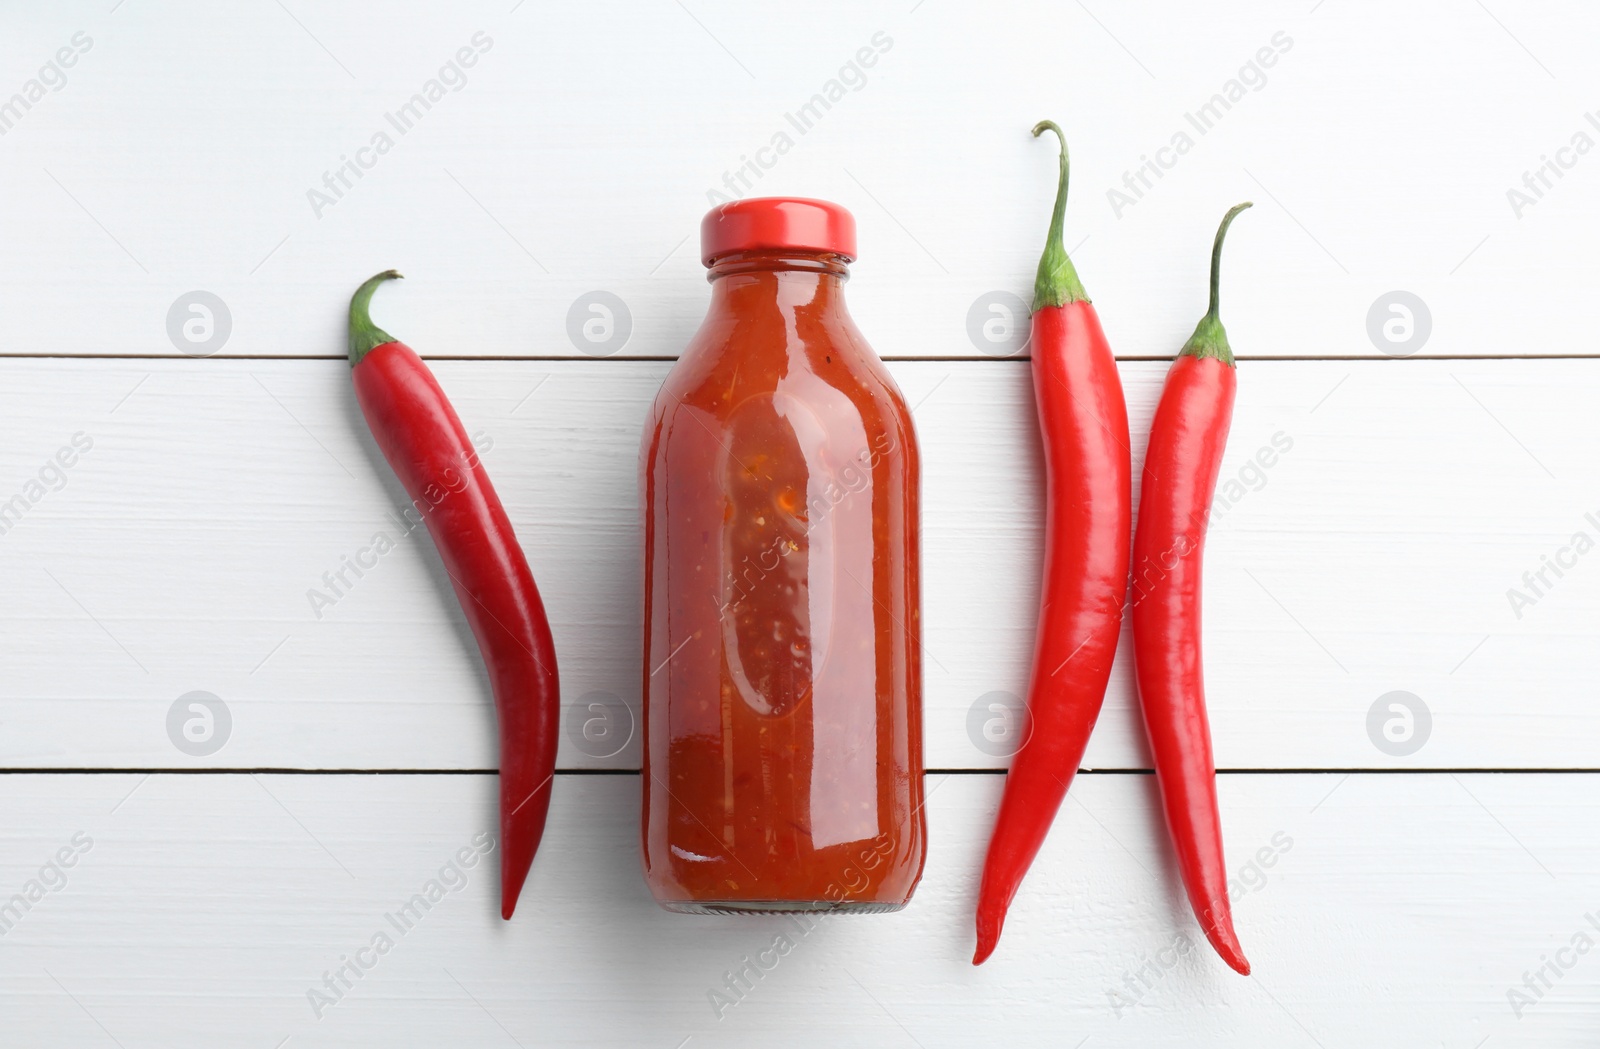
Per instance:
(723,366)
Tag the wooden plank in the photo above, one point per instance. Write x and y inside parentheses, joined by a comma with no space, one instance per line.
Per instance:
(1374,555)
(545,171)
(1426,898)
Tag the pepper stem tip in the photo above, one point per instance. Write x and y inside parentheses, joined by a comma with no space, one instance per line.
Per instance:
(1216,251)
(364,335)
(1210,338)
(1057,283)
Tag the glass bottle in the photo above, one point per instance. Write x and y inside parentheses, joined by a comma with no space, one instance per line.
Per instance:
(782,658)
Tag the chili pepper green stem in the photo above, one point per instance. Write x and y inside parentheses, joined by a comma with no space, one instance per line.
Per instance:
(1210,338)
(364,335)
(1057,283)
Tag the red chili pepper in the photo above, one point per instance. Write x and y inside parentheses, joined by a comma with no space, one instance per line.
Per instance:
(429,449)
(1180,476)
(1088,479)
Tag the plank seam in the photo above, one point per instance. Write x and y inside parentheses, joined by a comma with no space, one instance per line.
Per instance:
(282,771)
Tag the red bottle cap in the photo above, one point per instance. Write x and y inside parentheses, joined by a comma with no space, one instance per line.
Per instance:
(758,223)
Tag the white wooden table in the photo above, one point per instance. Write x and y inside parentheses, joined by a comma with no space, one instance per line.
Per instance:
(1409,777)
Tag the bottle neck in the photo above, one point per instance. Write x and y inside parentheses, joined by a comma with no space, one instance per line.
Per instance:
(816,262)
(785,279)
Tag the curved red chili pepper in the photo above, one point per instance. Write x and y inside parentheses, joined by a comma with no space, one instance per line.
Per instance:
(429,449)
(1187,438)
(1084,422)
